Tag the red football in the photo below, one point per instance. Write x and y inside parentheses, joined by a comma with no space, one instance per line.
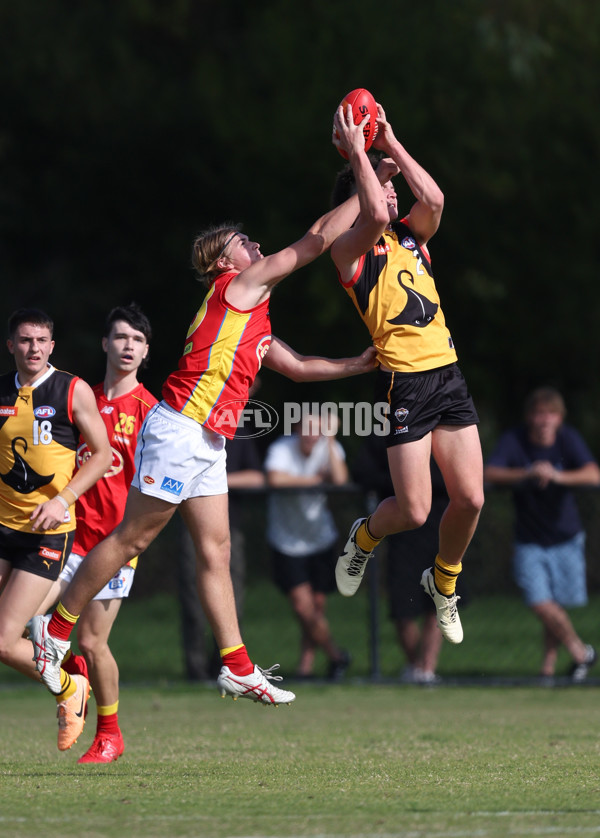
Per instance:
(362,103)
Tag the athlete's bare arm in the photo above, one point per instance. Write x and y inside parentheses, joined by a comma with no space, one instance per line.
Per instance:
(425,214)
(254,284)
(285,360)
(49,515)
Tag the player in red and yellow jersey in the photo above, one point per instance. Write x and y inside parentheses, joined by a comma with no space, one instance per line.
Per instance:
(42,412)
(180,457)
(123,403)
(384,266)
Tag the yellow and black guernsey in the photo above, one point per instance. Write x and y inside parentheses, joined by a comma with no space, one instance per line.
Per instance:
(38,441)
(395,294)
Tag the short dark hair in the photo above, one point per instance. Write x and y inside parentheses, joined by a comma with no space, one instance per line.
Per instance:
(29,315)
(345,182)
(136,318)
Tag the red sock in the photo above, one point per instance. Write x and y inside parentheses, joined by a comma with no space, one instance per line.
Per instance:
(75,665)
(107,724)
(238,661)
(59,627)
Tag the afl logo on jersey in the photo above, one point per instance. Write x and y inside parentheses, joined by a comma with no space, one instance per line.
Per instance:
(262,349)
(44,412)
(408,242)
(116,467)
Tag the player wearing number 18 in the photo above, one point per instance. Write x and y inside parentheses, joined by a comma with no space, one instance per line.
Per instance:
(42,413)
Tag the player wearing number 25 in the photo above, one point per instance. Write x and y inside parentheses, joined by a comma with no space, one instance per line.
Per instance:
(383,263)
(43,411)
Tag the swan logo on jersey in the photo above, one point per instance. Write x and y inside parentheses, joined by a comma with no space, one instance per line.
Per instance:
(116,466)
(262,349)
(44,412)
(408,242)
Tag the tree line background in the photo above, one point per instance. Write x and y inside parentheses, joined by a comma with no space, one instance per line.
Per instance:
(129,125)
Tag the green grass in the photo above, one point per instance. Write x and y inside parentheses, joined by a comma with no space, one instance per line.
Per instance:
(341,761)
(502,638)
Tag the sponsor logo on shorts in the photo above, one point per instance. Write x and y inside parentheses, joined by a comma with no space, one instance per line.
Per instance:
(44,412)
(173,486)
(401,414)
(401,429)
(149,480)
(116,582)
(8,411)
(408,242)
(48,553)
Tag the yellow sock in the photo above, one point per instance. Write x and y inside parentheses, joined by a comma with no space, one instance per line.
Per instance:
(68,687)
(444,576)
(107,710)
(364,539)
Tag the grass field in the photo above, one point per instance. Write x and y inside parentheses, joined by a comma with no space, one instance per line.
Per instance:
(357,759)
(343,760)
(502,638)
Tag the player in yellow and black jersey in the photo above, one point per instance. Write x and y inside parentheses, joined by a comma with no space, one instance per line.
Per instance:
(383,263)
(42,412)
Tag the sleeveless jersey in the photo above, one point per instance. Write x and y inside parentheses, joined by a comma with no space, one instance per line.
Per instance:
(223,353)
(101,508)
(395,294)
(38,440)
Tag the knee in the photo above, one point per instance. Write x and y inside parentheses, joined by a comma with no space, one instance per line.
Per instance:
(415,516)
(88,645)
(470,503)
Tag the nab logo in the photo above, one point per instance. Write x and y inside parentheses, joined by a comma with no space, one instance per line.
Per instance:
(172,486)
(44,412)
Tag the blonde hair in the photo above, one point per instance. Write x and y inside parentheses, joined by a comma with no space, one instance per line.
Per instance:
(545,397)
(207,249)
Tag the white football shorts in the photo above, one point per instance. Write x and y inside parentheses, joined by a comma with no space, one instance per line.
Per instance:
(116,588)
(177,459)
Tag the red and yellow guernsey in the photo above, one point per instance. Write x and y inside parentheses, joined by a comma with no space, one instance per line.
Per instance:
(101,508)
(223,353)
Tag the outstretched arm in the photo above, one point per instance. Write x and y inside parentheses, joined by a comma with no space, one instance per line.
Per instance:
(285,360)
(424,217)
(254,284)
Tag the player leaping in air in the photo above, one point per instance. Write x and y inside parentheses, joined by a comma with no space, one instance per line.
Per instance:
(180,457)
(383,264)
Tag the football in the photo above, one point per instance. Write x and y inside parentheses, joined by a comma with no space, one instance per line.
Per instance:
(362,103)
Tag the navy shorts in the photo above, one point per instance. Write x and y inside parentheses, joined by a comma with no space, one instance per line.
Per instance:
(43,554)
(318,569)
(420,401)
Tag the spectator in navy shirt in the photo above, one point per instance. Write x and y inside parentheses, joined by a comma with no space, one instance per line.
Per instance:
(542,460)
